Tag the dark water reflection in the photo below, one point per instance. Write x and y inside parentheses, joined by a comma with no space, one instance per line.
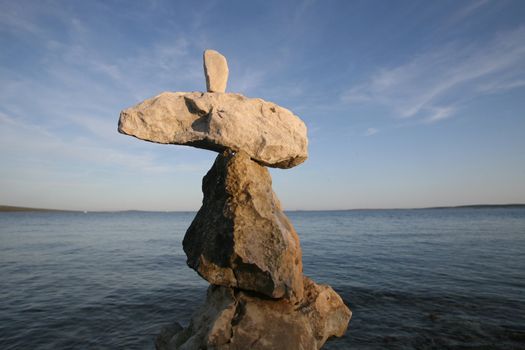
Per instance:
(414,279)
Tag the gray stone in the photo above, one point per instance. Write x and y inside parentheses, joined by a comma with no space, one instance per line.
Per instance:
(166,334)
(269,134)
(215,71)
(236,320)
(240,237)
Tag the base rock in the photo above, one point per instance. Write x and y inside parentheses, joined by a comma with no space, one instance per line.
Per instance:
(240,237)
(236,320)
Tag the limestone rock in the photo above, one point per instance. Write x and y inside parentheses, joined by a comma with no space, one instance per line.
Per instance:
(216,71)
(240,237)
(234,320)
(269,134)
(166,334)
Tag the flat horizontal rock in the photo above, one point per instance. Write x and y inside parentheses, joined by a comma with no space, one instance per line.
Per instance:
(268,133)
(240,237)
(232,319)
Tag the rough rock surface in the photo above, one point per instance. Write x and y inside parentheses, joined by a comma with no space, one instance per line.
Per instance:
(234,320)
(270,134)
(240,237)
(166,333)
(215,71)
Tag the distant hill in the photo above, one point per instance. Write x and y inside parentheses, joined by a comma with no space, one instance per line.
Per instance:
(9,208)
(481,206)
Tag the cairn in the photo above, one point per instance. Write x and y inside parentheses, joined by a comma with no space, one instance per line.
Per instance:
(241,241)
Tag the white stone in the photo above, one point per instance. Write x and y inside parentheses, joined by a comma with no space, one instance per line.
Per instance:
(216,71)
(268,133)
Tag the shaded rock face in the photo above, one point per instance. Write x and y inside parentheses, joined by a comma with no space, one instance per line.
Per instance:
(231,319)
(215,70)
(166,334)
(240,237)
(269,134)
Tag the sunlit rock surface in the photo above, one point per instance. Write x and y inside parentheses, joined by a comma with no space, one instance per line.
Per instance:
(240,236)
(216,71)
(232,319)
(268,133)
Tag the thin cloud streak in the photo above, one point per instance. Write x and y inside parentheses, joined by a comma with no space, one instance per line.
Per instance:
(371,131)
(433,84)
(468,10)
(500,86)
(440,113)
(42,142)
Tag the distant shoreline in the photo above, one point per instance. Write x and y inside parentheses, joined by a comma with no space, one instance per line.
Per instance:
(479,206)
(9,208)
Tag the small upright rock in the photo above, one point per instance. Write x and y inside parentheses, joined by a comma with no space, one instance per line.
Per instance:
(216,71)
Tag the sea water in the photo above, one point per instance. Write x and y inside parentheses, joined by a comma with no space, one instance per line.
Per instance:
(414,279)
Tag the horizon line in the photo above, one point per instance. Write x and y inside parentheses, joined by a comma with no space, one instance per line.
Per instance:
(12,208)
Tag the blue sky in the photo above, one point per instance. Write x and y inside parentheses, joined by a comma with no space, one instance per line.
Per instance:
(407,103)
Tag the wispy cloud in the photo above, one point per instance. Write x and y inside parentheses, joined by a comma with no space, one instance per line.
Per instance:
(15,22)
(439,113)
(432,85)
(247,82)
(39,142)
(499,86)
(371,131)
(467,10)
(81,89)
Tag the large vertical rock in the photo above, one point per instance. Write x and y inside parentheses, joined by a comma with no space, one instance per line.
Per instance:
(240,237)
(235,320)
(240,240)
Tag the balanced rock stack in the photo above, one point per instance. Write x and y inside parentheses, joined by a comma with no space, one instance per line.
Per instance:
(240,241)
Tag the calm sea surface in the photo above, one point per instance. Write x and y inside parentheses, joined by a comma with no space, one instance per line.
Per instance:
(414,279)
